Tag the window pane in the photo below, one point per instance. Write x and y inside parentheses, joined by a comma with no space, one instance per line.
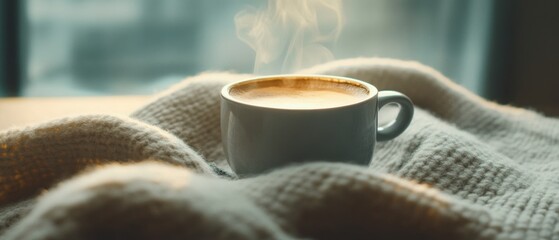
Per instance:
(102,47)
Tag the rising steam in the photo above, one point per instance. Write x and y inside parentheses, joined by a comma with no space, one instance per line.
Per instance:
(290,34)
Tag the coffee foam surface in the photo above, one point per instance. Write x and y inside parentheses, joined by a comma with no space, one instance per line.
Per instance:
(299,93)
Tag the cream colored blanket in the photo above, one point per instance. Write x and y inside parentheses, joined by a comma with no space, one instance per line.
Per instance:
(465,168)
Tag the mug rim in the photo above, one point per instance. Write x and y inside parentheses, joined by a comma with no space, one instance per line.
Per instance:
(372,91)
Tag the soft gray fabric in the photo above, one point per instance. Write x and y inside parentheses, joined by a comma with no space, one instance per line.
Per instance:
(465,169)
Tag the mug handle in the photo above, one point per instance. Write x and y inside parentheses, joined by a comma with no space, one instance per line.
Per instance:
(403,119)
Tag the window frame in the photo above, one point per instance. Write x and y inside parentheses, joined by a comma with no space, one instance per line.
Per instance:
(11,46)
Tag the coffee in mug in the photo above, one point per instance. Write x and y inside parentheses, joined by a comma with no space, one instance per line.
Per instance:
(304,93)
(275,121)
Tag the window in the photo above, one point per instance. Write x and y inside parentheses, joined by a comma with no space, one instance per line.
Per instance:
(105,47)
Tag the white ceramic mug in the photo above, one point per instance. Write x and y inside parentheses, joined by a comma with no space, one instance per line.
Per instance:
(259,138)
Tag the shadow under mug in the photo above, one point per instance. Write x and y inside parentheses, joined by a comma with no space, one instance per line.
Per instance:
(258,139)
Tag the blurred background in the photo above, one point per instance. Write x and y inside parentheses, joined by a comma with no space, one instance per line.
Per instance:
(504,50)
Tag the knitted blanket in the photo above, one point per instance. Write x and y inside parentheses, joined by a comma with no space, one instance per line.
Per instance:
(466,168)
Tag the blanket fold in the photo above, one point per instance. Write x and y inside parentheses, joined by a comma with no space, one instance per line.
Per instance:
(466,168)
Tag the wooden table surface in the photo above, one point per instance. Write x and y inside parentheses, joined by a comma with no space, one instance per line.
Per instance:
(16,112)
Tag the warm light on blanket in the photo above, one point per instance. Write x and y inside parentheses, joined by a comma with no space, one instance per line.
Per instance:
(175,178)
(417,189)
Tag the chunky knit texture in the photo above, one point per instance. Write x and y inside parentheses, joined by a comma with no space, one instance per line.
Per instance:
(466,168)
